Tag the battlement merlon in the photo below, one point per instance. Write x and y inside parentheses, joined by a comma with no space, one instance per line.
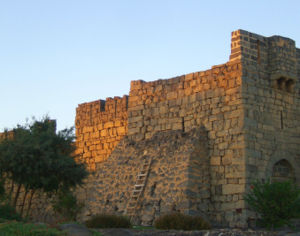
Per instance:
(276,55)
(105,110)
(104,105)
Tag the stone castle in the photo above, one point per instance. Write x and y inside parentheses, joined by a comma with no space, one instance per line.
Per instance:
(196,142)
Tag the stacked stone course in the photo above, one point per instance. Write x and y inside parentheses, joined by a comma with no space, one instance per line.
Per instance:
(249,110)
(271,111)
(182,102)
(211,99)
(100,125)
(210,134)
(175,162)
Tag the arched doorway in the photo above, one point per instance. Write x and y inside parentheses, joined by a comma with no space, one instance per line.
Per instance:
(283,171)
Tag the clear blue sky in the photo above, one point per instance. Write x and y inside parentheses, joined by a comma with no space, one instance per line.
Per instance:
(55,54)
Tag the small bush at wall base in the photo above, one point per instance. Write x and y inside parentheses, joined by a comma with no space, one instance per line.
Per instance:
(276,203)
(108,221)
(181,222)
(9,213)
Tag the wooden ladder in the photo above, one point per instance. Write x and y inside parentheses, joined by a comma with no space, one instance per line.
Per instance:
(139,188)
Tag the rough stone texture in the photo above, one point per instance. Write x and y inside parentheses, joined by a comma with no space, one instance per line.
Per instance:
(249,110)
(100,125)
(271,91)
(210,134)
(179,177)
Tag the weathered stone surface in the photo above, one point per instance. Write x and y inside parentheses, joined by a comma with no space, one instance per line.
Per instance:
(172,183)
(249,108)
(100,125)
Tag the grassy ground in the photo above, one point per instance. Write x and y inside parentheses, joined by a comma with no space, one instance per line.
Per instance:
(13,228)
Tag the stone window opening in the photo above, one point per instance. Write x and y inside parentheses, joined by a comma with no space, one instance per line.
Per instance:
(283,171)
(280,83)
(289,85)
(285,84)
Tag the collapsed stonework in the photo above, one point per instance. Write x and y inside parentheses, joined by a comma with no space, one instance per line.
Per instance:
(179,165)
(207,135)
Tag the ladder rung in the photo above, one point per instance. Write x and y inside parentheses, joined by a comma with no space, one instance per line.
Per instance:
(142,175)
(139,185)
(137,190)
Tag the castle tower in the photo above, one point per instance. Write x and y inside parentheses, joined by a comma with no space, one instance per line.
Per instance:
(210,134)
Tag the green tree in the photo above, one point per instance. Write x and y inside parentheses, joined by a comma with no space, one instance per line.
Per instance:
(276,203)
(36,157)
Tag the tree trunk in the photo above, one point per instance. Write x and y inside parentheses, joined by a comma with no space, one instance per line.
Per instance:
(11,189)
(17,195)
(24,200)
(30,201)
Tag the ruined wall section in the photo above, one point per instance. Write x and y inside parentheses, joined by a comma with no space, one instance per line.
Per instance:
(6,135)
(248,106)
(272,105)
(100,125)
(210,99)
(178,181)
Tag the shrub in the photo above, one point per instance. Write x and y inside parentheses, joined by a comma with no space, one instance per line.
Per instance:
(108,221)
(179,221)
(66,205)
(276,203)
(9,213)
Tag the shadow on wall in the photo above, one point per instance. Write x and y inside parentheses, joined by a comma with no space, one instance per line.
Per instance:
(178,180)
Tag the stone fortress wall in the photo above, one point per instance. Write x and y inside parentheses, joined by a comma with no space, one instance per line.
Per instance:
(100,125)
(209,99)
(271,100)
(209,134)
